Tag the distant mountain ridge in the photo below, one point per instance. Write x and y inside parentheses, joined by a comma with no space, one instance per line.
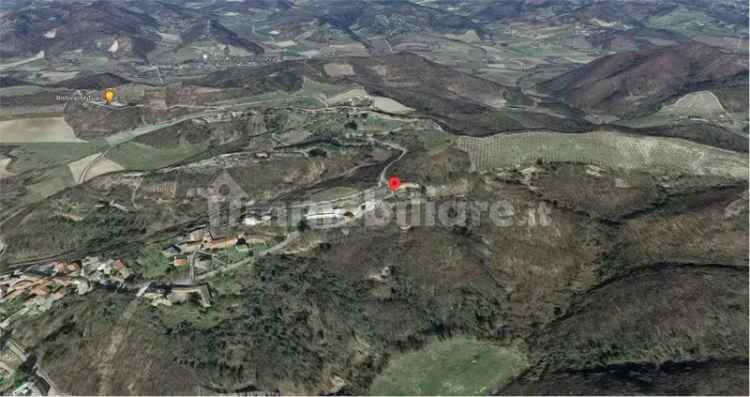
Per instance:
(639,81)
(57,27)
(212,30)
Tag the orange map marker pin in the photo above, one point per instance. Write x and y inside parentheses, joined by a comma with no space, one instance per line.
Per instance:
(109,95)
(394,183)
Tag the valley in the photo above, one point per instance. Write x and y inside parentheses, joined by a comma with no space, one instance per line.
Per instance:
(570,214)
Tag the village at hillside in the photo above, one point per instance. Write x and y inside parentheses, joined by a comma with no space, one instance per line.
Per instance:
(174,274)
(34,289)
(169,277)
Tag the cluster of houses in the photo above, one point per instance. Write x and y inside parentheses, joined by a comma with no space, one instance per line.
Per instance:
(327,216)
(201,243)
(36,288)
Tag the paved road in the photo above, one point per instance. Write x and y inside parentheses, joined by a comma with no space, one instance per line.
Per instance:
(378,192)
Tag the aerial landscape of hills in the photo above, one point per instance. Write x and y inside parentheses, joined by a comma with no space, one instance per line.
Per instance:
(387,197)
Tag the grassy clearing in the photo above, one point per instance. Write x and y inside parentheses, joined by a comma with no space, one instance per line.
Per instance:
(435,140)
(230,255)
(49,154)
(376,123)
(431,140)
(607,149)
(702,104)
(92,166)
(21,90)
(137,156)
(41,186)
(52,181)
(458,366)
(175,315)
(690,23)
(345,97)
(332,194)
(269,98)
(303,98)
(311,88)
(152,264)
(659,118)
(226,302)
(306,102)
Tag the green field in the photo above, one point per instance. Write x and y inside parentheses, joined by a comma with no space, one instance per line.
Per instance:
(435,140)
(229,255)
(30,156)
(691,23)
(312,95)
(137,156)
(53,180)
(152,263)
(695,105)
(313,88)
(458,366)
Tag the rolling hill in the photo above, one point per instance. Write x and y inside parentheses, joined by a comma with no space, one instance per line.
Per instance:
(94,28)
(639,81)
(211,31)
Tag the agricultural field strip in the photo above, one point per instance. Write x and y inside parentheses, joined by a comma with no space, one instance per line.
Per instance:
(378,191)
(38,56)
(127,136)
(605,148)
(37,130)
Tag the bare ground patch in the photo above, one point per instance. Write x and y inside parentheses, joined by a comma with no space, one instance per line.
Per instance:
(339,69)
(38,129)
(92,166)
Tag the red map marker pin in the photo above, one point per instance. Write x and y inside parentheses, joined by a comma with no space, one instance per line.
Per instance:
(394,183)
